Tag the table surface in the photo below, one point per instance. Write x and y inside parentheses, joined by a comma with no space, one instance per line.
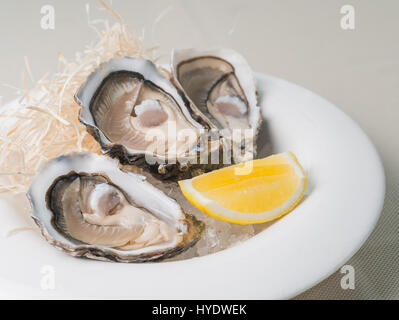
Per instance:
(301,41)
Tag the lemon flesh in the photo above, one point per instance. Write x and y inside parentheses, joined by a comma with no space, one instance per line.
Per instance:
(256,191)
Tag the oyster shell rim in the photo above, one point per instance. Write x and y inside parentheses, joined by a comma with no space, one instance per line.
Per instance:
(77,248)
(241,69)
(93,83)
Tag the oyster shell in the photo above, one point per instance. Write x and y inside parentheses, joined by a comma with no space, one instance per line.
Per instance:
(221,87)
(88,207)
(138,116)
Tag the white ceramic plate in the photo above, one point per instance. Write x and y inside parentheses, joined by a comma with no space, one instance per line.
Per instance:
(343,203)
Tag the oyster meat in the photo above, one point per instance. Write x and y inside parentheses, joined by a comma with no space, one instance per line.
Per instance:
(86,206)
(221,87)
(138,115)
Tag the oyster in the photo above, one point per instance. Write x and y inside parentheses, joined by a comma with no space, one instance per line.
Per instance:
(139,116)
(222,89)
(86,206)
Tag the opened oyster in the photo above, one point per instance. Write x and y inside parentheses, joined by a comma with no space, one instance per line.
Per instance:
(222,89)
(139,116)
(86,206)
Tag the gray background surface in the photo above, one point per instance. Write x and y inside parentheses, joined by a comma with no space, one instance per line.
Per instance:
(298,40)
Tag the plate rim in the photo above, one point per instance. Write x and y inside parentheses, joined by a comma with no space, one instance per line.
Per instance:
(219,255)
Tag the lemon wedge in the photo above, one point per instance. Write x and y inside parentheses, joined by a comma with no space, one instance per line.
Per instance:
(255,191)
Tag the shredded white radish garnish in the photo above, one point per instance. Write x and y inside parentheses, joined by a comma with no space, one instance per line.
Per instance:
(46,124)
